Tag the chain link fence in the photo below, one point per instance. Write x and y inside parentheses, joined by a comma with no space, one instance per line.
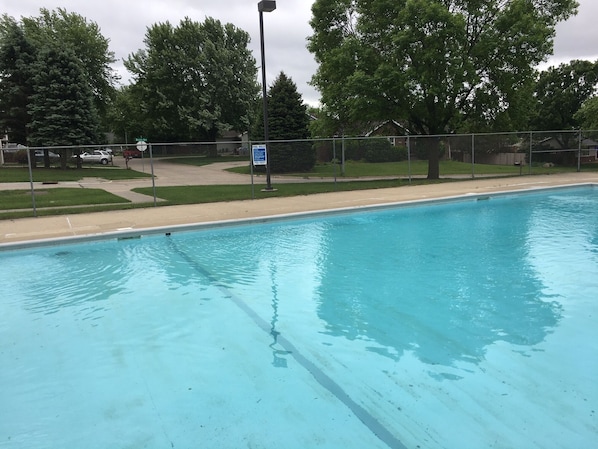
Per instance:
(347,158)
(470,155)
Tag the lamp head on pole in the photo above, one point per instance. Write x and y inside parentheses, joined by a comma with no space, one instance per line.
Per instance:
(266,6)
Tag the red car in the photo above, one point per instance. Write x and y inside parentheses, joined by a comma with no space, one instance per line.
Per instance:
(131,152)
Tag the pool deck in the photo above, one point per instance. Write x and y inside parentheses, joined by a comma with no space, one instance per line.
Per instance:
(136,220)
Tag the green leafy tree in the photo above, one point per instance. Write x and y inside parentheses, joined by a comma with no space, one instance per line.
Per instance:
(62,28)
(61,109)
(433,64)
(287,120)
(587,115)
(125,117)
(16,84)
(194,81)
(560,93)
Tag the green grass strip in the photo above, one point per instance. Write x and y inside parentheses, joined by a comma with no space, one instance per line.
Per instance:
(56,197)
(21,174)
(217,193)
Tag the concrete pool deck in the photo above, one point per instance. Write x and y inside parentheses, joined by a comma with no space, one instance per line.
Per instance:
(93,224)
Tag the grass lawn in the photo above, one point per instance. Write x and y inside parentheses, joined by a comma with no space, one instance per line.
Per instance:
(56,197)
(417,168)
(210,194)
(21,174)
(73,200)
(56,201)
(355,169)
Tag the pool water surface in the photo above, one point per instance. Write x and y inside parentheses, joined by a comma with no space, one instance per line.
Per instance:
(462,324)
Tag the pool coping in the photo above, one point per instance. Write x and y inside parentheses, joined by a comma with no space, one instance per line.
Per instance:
(439,193)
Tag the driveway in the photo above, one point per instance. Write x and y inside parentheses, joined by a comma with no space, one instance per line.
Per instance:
(173,174)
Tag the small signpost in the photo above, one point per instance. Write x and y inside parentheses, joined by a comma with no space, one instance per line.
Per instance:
(259,155)
(141,143)
(141,146)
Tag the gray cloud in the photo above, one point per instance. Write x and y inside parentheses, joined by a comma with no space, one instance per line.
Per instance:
(577,38)
(286,29)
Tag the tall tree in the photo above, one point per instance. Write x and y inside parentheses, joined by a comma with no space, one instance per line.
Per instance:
(434,64)
(125,118)
(195,80)
(21,42)
(287,120)
(86,41)
(560,93)
(587,115)
(62,110)
(16,83)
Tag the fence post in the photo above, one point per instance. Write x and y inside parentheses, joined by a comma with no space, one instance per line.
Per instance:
(152,169)
(531,145)
(335,162)
(31,182)
(409,157)
(473,156)
(343,155)
(579,152)
(250,143)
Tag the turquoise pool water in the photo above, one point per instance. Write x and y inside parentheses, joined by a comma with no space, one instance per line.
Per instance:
(468,324)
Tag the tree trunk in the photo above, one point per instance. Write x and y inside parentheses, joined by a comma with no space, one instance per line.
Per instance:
(433,157)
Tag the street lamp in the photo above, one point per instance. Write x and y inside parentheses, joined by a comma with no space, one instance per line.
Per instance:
(265,6)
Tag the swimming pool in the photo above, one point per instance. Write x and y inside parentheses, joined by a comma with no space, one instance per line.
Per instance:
(463,324)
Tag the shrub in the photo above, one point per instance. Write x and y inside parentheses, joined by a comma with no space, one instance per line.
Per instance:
(383,151)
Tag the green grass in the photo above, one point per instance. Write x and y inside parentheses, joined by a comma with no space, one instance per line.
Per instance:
(355,169)
(56,201)
(402,169)
(218,193)
(21,174)
(56,197)
(24,213)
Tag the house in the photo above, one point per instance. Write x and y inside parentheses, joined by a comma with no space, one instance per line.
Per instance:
(396,133)
(563,149)
(231,142)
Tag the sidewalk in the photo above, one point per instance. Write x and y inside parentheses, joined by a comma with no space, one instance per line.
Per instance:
(133,222)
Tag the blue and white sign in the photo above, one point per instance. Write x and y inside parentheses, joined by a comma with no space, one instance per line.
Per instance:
(259,154)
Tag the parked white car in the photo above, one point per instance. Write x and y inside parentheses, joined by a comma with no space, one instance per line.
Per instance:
(95,157)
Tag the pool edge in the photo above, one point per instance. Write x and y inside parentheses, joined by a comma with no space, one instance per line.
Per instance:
(128,233)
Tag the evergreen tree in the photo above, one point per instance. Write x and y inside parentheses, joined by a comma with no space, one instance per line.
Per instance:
(20,44)
(287,120)
(61,109)
(16,84)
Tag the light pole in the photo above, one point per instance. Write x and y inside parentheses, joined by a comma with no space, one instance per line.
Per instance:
(265,6)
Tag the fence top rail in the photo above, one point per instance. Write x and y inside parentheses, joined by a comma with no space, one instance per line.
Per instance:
(547,134)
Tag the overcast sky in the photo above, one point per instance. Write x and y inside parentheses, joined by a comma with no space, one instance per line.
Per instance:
(124,22)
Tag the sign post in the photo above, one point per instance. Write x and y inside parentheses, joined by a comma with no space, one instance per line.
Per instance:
(142,146)
(141,143)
